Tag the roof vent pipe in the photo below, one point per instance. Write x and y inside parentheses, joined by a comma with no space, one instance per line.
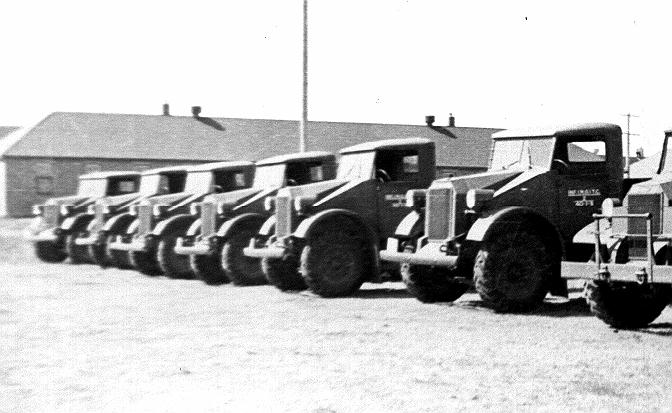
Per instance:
(429,120)
(451,121)
(196,111)
(166,109)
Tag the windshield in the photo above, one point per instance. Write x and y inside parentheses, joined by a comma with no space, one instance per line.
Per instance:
(516,154)
(355,166)
(198,182)
(269,176)
(92,187)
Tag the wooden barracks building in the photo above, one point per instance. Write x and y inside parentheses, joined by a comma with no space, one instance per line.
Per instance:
(44,160)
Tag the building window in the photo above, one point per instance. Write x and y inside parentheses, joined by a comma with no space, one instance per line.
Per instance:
(44,185)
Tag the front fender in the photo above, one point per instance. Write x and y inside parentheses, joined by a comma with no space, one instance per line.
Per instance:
(77,223)
(232,225)
(177,222)
(268,228)
(118,223)
(480,229)
(133,227)
(194,228)
(411,226)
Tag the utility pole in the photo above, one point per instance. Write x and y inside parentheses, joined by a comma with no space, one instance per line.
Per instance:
(627,144)
(304,115)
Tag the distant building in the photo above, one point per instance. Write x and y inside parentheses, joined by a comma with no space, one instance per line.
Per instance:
(45,160)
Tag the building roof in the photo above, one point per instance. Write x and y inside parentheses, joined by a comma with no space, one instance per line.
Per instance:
(108,174)
(6,130)
(645,168)
(185,138)
(581,128)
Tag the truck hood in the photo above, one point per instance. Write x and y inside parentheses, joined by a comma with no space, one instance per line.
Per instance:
(238,198)
(76,200)
(661,183)
(168,199)
(319,190)
(487,180)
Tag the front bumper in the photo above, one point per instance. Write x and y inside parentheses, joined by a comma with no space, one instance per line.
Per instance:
(430,254)
(95,238)
(139,244)
(47,235)
(274,251)
(184,246)
(634,271)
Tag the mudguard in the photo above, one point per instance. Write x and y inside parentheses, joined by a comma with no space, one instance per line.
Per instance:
(410,226)
(77,223)
(307,226)
(231,226)
(118,223)
(194,228)
(182,221)
(268,228)
(133,227)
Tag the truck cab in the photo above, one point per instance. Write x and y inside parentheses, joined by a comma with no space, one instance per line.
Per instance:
(333,230)
(227,221)
(541,187)
(55,222)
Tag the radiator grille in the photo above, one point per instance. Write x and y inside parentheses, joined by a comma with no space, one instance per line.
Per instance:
(50,215)
(439,213)
(283,215)
(208,217)
(641,204)
(99,218)
(144,219)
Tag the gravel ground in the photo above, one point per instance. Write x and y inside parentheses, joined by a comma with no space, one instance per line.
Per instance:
(79,338)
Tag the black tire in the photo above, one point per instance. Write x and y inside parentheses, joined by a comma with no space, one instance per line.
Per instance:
(117,258)
(627,305)
(98,255)
(333,262)
(145,262)
(242,270)
(512,271)
(173,265)
(283,273)
(432,284)
(47,251)
(208,268)
(79,254)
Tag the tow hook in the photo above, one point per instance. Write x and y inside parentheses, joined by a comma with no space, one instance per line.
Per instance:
(603,273)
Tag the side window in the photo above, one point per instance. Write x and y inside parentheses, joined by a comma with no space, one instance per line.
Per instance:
(44,185)
(174,183)
(581,156)
(228,180)
(397,165)
(123,186)
(304,173)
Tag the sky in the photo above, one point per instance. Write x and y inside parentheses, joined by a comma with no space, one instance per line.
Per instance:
(489,63)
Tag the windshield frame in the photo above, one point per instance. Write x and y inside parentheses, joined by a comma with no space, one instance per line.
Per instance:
(92,187)
(354,165)
(525,151)
(197,184)
(269,176)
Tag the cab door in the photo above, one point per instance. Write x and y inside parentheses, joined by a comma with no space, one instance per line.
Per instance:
(396,171)
(583,181)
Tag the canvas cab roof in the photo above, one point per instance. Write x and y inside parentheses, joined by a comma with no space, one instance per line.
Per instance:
(298,156)
(387,144)
(567,130)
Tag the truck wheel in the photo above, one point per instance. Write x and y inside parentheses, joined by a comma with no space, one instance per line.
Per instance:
(283,273)
(333,263)
(98,255)
(627,305)
(511,272)
(208,268)
(78,254)
(242,270)
(431,284)
(47,251)
(117,258)
(173,265)
(145,262)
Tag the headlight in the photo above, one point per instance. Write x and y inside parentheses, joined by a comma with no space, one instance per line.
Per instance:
(107,209)
(477,198)
(416,198)
(37,209)
(609,205)
(133,210)
(224,208)
(66,209)
(195,209)
(269,203)
(303,203)
(158,210)
(91,210)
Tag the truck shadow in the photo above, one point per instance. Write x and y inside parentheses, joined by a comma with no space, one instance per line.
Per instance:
(372,293)
(573,307)
(657,329)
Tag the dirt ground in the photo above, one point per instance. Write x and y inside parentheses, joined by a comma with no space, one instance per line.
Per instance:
(83,339)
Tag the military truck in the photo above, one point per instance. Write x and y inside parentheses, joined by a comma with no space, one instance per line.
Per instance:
(57,222)
(228,220)
(112,214)
(332,231)
(160,220)
(508,229)
(630,282)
